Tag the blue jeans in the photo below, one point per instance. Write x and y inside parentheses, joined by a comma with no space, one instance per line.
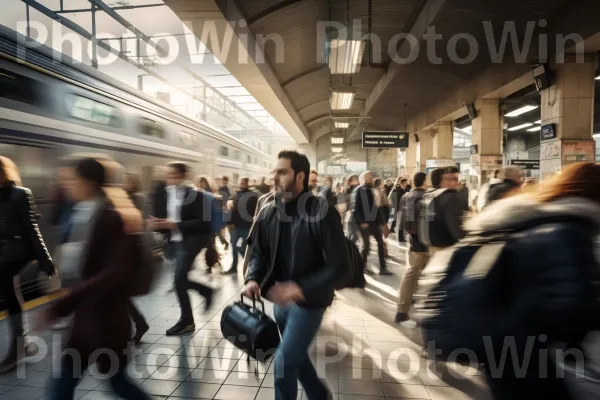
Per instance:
(63,388)
(236,235)
(298,326)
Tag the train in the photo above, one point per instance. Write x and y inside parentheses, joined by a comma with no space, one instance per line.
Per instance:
(49,110)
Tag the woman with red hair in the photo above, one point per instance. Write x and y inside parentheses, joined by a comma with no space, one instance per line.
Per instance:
(546,291)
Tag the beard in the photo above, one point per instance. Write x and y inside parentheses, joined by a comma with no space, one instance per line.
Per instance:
(285,191)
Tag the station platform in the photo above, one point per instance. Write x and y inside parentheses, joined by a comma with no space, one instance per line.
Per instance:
(359,350)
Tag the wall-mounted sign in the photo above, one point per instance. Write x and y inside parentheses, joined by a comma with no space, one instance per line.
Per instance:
(548,132)
(384,139)
(574,151)
(526,164)
(474,149)
(439,163)
(490,163)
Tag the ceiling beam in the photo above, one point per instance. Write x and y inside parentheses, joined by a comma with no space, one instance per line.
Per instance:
(270,10)
(303,74)
(417,26)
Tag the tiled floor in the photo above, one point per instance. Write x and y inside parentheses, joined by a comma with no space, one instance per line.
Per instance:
(359,351)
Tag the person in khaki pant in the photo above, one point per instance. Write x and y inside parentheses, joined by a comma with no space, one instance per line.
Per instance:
(418,255)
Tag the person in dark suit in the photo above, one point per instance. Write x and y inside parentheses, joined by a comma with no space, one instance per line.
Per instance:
(102,253)
(327,191)
(189,227)
(20,243)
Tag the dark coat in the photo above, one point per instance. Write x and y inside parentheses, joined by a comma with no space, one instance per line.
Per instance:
(100,301)
(499,190)
(363,204)
(408,210)
(316,263)
(159,200)
(327,192)
(195,223)
(244,207)
(19,231)
(548,285)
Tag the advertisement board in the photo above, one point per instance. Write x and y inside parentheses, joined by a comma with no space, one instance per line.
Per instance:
(574,151)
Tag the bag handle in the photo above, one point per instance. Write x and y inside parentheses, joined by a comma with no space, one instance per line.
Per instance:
(262,303)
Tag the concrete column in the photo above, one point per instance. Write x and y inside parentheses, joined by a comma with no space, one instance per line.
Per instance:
(443,143)
(425,147)
(487,135)
(568,105)
(411,155)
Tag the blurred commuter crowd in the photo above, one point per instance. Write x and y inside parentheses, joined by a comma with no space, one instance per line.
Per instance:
(516,261)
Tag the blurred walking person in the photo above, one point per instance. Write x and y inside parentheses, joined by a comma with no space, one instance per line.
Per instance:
(20,243)
(545,293)
(101,247)
(133,188)
(189,233)
(242,213)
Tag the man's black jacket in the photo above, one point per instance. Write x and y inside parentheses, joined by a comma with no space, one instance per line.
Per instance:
(195,226)
(244,207)
(319,256)
(500,190)
(365,209)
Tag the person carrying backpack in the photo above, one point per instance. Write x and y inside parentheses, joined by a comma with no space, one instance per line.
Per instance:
(441,211)
(418,256)
(521,290)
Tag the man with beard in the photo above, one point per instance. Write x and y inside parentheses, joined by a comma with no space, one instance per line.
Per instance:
(313,182)
(296,271)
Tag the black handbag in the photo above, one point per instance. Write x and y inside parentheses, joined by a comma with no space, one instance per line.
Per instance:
(250,329)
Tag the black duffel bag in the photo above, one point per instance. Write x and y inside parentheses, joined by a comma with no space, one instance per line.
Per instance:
(250,329)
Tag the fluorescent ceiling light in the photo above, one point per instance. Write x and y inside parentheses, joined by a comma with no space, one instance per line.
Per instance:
(337,150)
(345,56)
(341,125)
(598,78)
(535,129)
(342,100)
(538,122)
(596,135)
(520,111)
(519,127)
(337,140)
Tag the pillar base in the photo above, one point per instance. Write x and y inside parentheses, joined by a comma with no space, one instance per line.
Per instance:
(557,154)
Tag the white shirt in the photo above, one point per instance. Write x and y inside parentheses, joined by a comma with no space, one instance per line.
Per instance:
(175,196)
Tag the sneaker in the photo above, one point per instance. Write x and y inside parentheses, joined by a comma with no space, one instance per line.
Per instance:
(385,272)
(400,317)
(180,328)
(139,332)
(65,323)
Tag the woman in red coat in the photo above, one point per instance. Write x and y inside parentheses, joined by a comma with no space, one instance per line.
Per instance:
(98,250)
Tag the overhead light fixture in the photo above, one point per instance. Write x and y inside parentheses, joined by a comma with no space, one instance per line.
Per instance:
(337,150)
(345,56)
(342,100)
(341,125)
(596,135)
(337,140)
(598,78)
(520,111)
(535,129)
(538,122)
(519,127)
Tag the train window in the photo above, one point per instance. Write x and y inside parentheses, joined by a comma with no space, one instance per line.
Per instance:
(249,159)
(92,111)
(188,139)
(17,87)
(152,128)
(255,161)
(224,151)
(237,155)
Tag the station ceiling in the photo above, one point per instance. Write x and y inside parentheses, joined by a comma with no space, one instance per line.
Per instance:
(382,86)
